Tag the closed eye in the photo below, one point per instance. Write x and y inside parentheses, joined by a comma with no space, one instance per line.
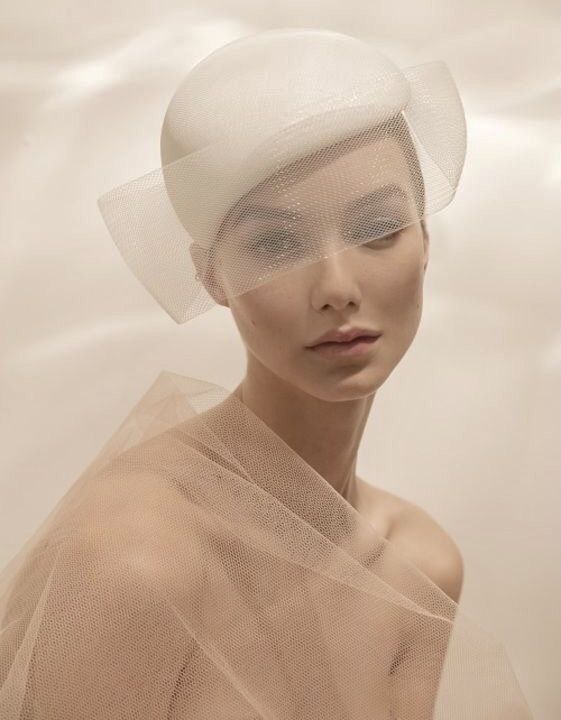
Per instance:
(278,243)
(379,231)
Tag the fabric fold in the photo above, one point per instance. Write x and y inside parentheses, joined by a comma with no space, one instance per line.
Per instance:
(200,568)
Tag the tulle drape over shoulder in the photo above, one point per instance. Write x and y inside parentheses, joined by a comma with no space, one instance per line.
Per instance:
(200,568)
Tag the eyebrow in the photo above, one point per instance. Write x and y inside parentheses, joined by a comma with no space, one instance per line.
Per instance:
(378,196)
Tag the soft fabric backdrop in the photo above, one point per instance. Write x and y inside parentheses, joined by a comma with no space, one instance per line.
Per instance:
(467,426)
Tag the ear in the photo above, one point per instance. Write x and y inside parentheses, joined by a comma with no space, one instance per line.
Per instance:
(199,256)
(426,244)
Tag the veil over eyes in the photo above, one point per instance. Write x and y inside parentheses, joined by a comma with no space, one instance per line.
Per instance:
(269,108)
(199,567)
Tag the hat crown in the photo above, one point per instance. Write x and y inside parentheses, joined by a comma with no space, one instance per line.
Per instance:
(258,84)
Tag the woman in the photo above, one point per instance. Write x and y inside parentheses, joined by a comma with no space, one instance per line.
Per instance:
(317,396)
(220,558)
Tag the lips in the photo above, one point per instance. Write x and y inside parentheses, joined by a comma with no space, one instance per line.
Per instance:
(355,340)
(360,347)
(345,335)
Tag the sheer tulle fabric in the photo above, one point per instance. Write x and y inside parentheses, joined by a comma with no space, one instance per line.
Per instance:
(246,125)
(200,568)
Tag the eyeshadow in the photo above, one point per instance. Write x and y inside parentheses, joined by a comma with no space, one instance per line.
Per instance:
(384,196)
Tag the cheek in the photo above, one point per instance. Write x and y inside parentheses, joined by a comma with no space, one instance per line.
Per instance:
(406,288)
(399,284)
(266,317)
(399,297)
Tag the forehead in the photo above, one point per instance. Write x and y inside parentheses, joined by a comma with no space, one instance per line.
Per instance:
(332,180)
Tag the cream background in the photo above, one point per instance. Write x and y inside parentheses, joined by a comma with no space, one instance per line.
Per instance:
(467,426)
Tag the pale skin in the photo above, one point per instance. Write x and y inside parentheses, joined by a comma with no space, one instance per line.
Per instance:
(320,406)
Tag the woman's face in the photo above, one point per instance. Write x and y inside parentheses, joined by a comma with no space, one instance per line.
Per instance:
(376,285)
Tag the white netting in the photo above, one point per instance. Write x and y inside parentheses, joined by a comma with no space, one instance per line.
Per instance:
(292,136)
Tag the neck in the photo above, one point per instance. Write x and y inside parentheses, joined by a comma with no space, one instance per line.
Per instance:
(326,434)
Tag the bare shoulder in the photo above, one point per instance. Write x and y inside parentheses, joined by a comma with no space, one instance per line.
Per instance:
(146,528)
(423,541)
(381,507)
(430,548)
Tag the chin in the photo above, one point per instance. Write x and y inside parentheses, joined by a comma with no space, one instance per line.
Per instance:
(338,389)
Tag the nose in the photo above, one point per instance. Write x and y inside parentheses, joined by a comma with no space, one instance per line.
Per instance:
(335,279)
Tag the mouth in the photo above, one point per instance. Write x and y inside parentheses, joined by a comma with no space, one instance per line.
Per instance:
(359,346)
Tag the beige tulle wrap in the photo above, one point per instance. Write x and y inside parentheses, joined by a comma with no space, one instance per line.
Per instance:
(200,568)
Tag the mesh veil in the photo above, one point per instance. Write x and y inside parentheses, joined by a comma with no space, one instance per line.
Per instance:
(200,568)
(277,150)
